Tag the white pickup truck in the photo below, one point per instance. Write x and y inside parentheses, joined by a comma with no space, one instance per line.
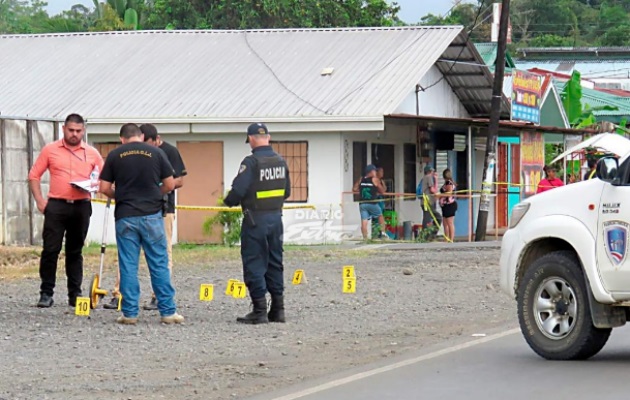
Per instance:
(565,260)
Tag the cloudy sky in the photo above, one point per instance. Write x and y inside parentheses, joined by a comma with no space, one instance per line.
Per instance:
(411,10)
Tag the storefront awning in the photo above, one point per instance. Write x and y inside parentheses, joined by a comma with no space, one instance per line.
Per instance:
(506,127)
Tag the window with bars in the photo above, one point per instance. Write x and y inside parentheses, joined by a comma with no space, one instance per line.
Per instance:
(296,156)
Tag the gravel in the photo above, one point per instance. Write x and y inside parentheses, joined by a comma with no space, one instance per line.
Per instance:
(404,300)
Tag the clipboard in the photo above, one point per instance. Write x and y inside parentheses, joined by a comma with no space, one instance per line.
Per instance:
(85,185)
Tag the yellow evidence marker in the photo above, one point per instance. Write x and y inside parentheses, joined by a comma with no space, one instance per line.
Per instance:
(230,286)
(240,290)
(348,271)
(297,276)
(349,285)
(82,307)
(206,292)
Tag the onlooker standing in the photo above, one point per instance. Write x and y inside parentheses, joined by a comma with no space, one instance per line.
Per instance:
(429,190)
(142,175)
(68,209)
(448,203)
(550,181)
(151,137)
(369,187)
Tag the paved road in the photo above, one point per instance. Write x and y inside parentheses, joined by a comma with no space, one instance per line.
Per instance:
(499,366)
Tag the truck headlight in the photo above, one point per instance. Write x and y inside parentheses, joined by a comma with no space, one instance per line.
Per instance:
(518,212)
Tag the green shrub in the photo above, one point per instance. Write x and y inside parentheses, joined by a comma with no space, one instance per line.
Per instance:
(231,223)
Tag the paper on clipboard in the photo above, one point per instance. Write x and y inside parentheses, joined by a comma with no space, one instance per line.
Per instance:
(85,185)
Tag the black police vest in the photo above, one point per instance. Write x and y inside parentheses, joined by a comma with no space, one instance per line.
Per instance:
(367,189)
(269,185)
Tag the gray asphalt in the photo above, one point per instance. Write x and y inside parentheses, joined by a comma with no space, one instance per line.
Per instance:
(502,368)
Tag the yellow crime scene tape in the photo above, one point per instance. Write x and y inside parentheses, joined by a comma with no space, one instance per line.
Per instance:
(223,209)
(457,193)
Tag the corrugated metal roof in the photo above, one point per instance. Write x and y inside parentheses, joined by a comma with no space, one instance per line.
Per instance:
(225,74)
(610,69)
(488,52)
(573,53)
(595,98)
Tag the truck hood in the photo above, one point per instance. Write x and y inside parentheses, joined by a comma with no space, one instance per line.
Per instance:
(608,142)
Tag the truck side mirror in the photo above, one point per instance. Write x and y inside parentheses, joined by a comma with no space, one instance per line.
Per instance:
(608,170)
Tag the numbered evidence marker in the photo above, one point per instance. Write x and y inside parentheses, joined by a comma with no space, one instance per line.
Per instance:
(240,290)
(348,271)
(229,290)
(83,306)
(349,285)
(206,292)
(297,276)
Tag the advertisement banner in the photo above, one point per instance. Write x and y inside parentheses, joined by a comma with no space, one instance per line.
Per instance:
(526,96)
(532,161)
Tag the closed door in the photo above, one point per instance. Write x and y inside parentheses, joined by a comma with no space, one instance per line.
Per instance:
(202,187)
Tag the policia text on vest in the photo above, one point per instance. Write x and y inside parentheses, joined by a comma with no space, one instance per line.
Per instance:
(261,187)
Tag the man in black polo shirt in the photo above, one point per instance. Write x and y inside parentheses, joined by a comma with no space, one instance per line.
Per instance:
(179,171)
(142,175)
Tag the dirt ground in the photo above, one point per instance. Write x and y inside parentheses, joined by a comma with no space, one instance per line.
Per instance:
(404,301)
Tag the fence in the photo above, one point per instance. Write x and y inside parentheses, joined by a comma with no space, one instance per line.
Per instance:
(21,140)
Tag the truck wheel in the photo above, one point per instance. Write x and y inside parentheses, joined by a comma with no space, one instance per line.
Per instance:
(554,312)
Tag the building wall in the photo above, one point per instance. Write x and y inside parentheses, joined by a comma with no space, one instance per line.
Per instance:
(335,217)
(301,226)
(436,101)
(407,207)
(20,144)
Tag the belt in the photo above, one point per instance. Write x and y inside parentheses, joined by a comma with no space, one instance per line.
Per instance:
(78,201)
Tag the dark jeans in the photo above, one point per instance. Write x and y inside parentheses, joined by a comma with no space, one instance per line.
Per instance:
(146,232)
(427,218)
(73,220)
(261,252)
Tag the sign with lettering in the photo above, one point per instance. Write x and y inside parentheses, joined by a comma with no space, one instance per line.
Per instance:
(532,161)
(526,96)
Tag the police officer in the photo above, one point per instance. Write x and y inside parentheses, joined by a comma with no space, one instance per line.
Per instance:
(261,186)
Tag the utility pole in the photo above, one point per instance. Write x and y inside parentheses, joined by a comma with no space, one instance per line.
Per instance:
(490,160)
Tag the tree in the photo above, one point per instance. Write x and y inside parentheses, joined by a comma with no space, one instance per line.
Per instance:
(126,10)
(240,14)
(476,18)
(109,20)
(572,97)
(21,16)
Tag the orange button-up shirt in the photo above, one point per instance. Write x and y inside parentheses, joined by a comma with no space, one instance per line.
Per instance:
(66,165)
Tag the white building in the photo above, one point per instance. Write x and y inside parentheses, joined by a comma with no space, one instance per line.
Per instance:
(323,93)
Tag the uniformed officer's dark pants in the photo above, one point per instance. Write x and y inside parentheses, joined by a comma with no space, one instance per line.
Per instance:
(261,251)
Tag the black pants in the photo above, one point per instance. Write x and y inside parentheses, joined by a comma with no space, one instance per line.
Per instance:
(261,252)
(73,220)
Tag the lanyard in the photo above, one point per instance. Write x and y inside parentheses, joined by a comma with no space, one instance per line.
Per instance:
(73,153)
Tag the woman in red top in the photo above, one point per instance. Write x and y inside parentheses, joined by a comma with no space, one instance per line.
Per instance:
(550,181)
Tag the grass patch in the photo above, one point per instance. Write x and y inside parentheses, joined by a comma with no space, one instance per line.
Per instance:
(23,262)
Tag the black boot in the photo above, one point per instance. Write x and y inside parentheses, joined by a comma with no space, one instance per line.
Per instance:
(258,314)
(276,313)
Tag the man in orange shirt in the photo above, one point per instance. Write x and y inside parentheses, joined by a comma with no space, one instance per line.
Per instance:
(67,209)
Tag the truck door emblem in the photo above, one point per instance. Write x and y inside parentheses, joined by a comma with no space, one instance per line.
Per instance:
(616,238)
